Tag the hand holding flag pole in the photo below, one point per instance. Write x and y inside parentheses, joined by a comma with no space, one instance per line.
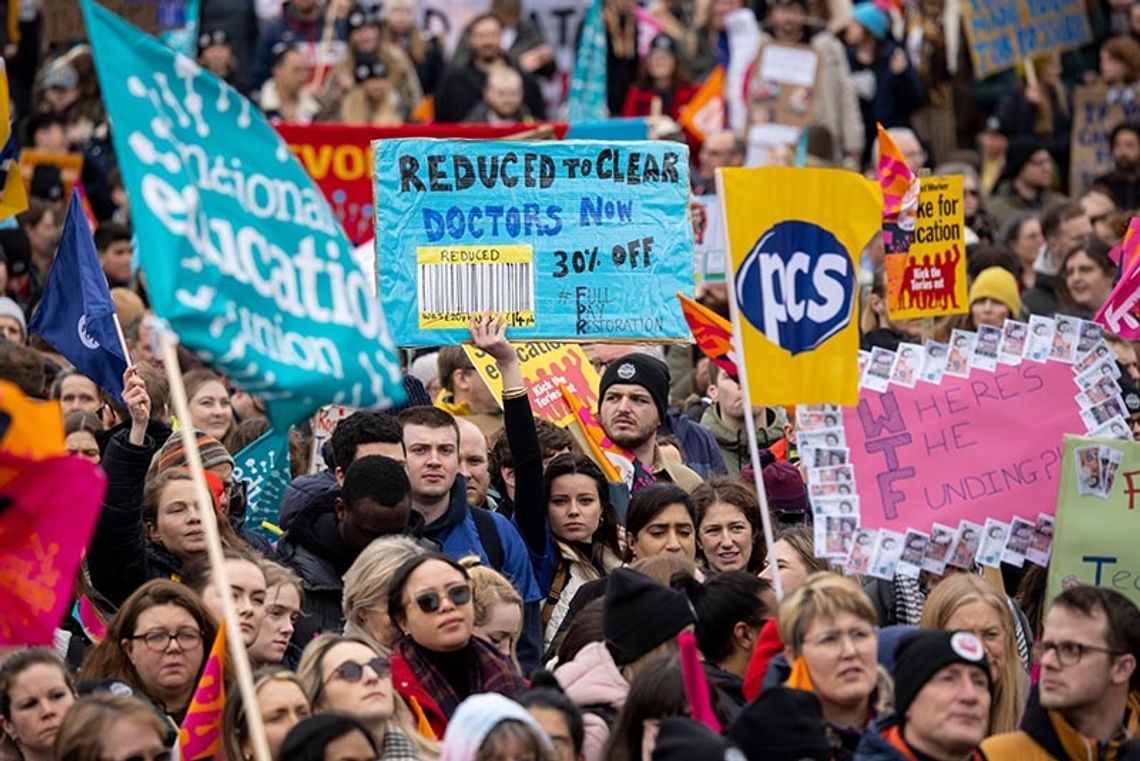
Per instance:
(239,657)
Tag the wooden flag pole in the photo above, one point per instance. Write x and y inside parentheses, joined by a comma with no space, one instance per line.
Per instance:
(238,655)
(750,420)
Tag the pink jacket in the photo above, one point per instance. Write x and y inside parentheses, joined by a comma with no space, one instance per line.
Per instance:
(593,679)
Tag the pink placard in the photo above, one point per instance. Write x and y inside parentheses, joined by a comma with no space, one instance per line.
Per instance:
(987,446)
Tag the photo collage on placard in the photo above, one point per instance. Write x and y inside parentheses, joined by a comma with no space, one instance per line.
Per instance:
(885,553)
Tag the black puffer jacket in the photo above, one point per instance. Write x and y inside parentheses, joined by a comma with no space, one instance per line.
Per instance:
(120,558)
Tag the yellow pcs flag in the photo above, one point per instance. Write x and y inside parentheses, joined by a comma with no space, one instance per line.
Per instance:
(795,237)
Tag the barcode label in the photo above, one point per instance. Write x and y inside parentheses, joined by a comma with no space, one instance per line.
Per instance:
(454,282)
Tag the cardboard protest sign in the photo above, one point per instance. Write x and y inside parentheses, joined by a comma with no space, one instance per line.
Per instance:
(1096,534)
(794,238)
(242,254)
(1003,33)
(781,98)
(546,368)
(1096,112)
(570,240)
(928,277)
(709,245)
(324,423)
(965,448)
(63,20)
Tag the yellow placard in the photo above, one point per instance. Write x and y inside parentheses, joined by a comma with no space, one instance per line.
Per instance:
(545,366)
(795,236)
(455,282)
(930,279)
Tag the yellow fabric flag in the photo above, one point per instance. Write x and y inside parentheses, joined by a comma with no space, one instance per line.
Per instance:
(795,237)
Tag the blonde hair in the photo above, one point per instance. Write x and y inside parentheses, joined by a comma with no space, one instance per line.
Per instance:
(235,731)
(80,734)
(488,589)
(277,575)
(367,582)
(823,595)
(1012,686)
(310,678)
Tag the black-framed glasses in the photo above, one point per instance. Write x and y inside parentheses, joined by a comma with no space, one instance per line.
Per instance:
(1069,653)
(157,641)
(429,602)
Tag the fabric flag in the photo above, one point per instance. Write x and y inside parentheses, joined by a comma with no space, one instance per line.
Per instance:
(242,253)
(588,83)
(615,461)
(13,194)
(75,314)
(264,466)
(200,735)
(28,427)
(704,114)
(900,186)
(1120,312)
(1124,253)
(712,333)
(696,682)
(795,236)
(48,509)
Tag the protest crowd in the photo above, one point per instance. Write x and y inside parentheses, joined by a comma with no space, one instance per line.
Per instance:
(667,565)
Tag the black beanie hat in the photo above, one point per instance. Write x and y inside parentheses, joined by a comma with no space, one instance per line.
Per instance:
(681,739)
(922,654)
(1018,154)
(782,724)
(639,370)
(639,614)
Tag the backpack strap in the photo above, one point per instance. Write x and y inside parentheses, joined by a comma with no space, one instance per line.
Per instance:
(489,536)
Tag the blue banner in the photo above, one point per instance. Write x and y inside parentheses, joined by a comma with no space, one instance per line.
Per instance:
(264,466)
(588,84)
(571,240)
(242,255)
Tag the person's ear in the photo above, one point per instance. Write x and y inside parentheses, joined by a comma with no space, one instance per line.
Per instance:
(152,533)
(1123,668)
(508,475)
(744,635)
(338,473)
(341,509)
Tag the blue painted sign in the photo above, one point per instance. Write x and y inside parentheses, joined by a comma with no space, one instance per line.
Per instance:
(571,240)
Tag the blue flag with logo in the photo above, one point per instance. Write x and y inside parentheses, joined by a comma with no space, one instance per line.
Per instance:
(75,313)
(243,256)
(587,98)
(264,466)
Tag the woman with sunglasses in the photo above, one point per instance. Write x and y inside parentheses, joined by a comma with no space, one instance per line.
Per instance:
(438,662)
(348,675)
(111,728)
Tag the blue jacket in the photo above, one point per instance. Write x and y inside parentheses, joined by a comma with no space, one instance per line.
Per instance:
(699,449)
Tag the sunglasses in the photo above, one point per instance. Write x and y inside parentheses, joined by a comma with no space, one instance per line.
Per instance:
(351,671)
(429,602)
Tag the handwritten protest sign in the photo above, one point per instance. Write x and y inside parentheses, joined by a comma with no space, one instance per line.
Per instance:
(324,423)
(781,99)
(929,279)
(1096,112)
(1095,537)
(242,254)
(709,244)
(1003,33)
(571,240)
(546,367)
(970,448)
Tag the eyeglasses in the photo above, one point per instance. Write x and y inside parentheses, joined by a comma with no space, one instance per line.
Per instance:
(429,602)
(1068,653)
(833,641)
(157,641)
(351,671)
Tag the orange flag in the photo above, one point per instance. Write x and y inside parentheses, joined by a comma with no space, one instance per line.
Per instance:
(615,462)
(712,333)
(28,427)
(201,733)
(704,114)
(900,186)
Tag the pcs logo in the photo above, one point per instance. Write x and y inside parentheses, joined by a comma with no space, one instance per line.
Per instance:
(796,286)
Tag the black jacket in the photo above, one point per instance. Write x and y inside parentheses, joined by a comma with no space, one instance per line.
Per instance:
(120,558)
(461,88)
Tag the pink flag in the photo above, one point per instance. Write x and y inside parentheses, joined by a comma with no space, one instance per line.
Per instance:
(48,510)
(200,736)
(1124,253)
(1120,313)
(696,684)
